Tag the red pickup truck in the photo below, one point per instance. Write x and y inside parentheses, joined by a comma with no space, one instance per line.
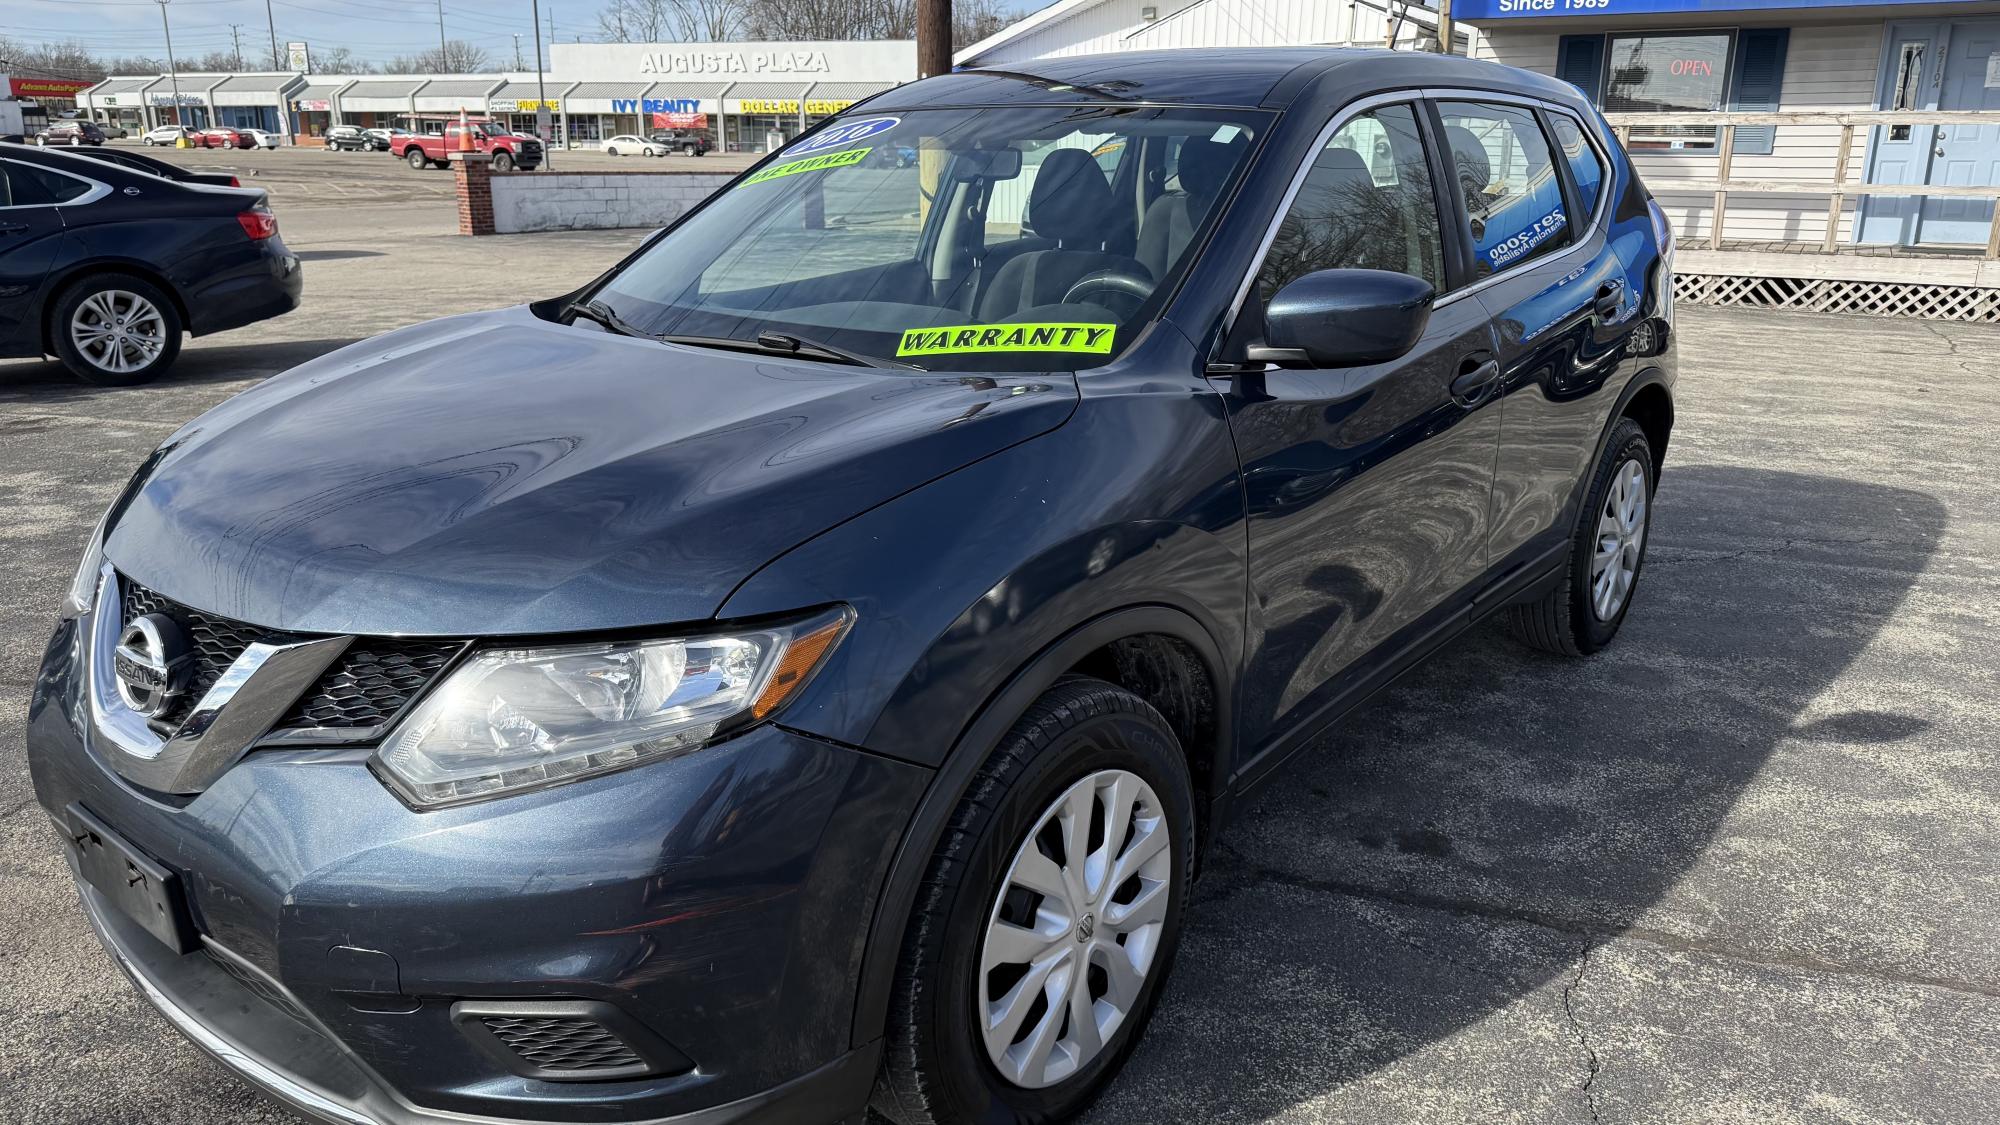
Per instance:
(510,150)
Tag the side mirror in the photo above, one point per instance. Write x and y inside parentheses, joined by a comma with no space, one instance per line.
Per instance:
(1341,318)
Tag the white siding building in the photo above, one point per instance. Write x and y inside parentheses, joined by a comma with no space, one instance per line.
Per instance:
(1083,27)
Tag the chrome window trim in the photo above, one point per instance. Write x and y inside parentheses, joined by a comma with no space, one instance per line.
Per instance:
(98,190)
(1434,93)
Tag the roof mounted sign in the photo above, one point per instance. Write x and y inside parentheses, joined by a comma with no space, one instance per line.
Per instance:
(1568,9)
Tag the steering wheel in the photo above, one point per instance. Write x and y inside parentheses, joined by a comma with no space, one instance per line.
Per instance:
(1127,290)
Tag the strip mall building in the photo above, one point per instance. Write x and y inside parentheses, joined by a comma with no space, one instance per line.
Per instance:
(742,94)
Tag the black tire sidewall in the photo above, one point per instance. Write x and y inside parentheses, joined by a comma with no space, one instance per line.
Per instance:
(1132,737)
(66,350)
(1628,442)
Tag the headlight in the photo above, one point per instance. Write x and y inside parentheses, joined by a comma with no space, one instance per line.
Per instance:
(513,719)
(82,593)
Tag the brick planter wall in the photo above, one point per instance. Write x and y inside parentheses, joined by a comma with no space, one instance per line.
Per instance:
(537,201)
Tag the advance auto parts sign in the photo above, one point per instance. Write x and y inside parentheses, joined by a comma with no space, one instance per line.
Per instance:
(961,339)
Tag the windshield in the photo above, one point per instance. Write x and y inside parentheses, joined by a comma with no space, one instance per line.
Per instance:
(1015,238)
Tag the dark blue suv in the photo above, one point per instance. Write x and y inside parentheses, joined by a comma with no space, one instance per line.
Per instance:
(800,670)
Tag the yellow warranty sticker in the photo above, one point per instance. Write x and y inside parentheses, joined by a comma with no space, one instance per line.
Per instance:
(810,164)
(961,338)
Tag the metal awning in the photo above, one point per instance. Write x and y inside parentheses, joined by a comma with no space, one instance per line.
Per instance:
(448,94)
(252,89)
(778,93)
(380,96)
(596,97)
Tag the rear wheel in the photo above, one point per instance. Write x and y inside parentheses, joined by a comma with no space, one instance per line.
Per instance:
(690,150)
(416,158)
(1582,613)
(115,329)
(1047,918)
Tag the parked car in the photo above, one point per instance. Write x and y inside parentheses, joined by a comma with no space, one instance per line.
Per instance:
(347,138)
(113,132)
(260,139)
(627,144)
(139,162)
(382,140)
(222,136)
(109,267)
(70,132)
(510,150)
(686,143)
(807,661)
(166,135)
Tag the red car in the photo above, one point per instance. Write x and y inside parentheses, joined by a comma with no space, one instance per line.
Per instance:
(222,136)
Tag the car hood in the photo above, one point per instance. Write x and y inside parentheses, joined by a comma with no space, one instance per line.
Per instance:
(500,474)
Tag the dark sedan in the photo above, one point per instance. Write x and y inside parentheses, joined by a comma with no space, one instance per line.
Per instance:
(107,267)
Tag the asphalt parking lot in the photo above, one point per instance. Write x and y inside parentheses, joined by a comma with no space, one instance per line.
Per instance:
(1741,867)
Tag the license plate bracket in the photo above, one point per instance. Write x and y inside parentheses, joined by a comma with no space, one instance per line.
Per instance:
(140,888)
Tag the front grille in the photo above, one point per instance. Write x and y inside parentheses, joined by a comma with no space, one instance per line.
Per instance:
(370,683)
(561,1044)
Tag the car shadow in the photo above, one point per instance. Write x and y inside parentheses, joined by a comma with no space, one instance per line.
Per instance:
(48,381)
(1467,838)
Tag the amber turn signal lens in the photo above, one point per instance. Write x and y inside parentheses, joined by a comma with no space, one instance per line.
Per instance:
(797,664)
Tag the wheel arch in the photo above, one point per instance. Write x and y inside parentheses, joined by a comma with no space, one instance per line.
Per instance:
(1652,406)
(70,275)
(1162,654)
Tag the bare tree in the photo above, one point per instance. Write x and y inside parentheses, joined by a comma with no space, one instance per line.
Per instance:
(972,20)
(665,21)
(458,57)
(340,60)
(68,59)
(709,21)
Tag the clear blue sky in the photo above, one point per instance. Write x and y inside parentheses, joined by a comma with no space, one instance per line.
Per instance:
(374,29)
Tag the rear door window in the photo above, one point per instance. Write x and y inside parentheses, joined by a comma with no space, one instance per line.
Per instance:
(1507,178)
(1586,168)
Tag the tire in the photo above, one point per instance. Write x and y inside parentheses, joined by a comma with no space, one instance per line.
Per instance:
(109,293)
(41,142)
(937,1067)
(690,150)
(503,162)
(1570,618)
(611,152)
(416,158)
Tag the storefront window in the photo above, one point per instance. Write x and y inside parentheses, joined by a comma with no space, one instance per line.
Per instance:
(1680,73)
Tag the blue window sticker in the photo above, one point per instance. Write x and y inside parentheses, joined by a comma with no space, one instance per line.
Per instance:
(843,134)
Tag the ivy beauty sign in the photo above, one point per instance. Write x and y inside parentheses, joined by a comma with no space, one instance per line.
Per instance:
(1476,10)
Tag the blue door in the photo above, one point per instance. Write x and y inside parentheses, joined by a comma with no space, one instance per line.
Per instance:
(1901,154)
(1965,155)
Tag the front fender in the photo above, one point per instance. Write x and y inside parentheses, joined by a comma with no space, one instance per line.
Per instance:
(959,584)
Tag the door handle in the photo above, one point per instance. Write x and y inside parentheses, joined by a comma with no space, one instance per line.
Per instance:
(1474,379)
(1608,300)
(10,228)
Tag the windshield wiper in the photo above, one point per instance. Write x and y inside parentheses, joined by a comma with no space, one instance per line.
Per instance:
(601,314)
(780,343)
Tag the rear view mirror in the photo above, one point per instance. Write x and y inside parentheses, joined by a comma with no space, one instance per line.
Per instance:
(1341,318)
(989,163)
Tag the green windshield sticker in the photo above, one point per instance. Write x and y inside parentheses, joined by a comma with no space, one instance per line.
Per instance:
(810,164)
(962,338)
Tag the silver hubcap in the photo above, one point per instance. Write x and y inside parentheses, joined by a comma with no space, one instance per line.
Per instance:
(1621,537)
(118,331)
(1075,929)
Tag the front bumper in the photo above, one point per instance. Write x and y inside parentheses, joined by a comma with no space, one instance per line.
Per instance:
(719,900)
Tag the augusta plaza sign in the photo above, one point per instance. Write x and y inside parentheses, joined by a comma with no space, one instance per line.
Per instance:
(831,61)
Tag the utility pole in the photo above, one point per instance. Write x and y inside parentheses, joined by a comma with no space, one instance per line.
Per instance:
(444,53)
(1444,27)
(236,39)
(541,84)
(271,21)
(173,68)
(517,51)
(933,37)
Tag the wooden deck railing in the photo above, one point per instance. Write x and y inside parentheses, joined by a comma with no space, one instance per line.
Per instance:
(1839,188)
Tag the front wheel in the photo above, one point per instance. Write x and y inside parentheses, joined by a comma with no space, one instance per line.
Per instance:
(1582,613)
(503,162)
(1047,918)
(115,330)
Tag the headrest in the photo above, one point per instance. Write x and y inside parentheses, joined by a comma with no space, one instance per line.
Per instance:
(1202,168)
(1071,200)
(1345,163)
(1475,171)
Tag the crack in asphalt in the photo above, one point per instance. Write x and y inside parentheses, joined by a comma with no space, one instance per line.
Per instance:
(1599,932)
(1591,1063)
(1951,349)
